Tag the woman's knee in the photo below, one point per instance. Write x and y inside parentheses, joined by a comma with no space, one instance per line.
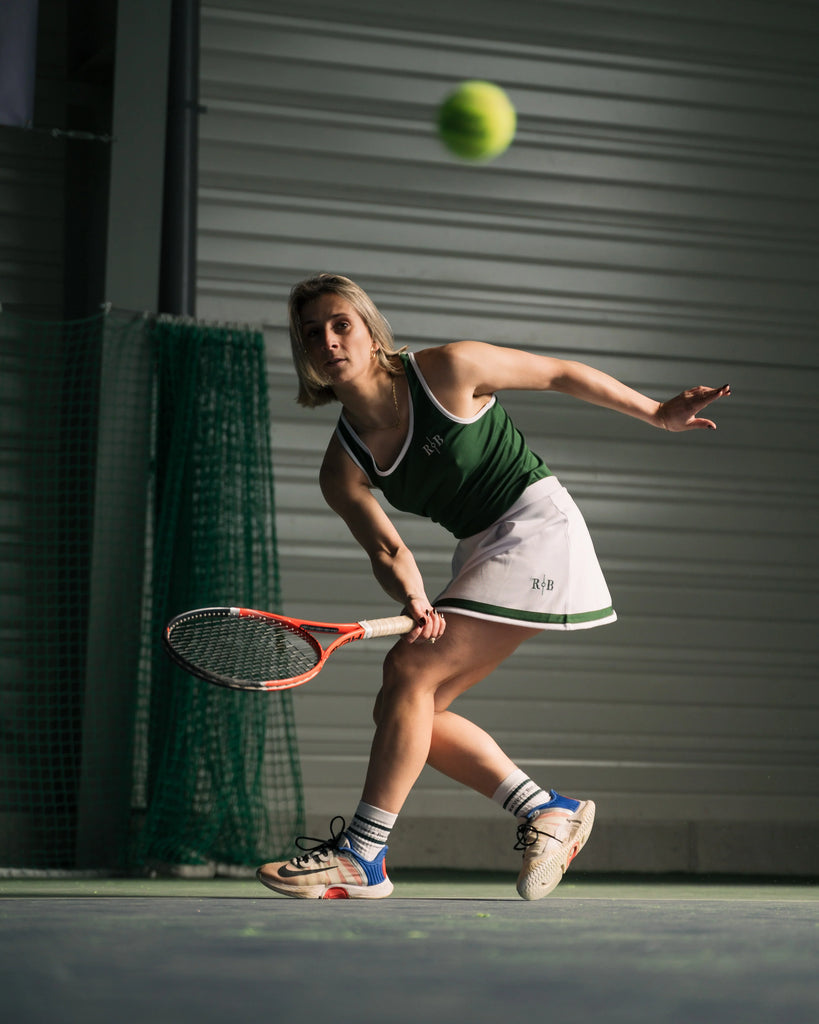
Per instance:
(403,678)
(395,673)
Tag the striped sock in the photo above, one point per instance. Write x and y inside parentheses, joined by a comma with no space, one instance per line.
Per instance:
(369,830)
(519,795)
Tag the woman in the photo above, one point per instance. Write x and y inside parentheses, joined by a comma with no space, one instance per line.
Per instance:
(427,430)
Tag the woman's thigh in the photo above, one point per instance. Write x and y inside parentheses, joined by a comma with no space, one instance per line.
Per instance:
(467,652)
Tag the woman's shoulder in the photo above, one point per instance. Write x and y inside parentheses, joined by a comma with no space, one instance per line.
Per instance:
(339,474)
(454,373)
(457,363)
(454,358)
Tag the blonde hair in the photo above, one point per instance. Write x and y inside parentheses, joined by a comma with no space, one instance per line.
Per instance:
(314,390)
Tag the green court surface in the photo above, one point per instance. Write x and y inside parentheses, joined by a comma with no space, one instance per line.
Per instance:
(444,947)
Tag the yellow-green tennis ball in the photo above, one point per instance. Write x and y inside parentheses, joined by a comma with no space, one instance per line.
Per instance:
(477,121)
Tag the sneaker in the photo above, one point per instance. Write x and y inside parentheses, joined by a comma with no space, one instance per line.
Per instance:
(551,837)
(330,871)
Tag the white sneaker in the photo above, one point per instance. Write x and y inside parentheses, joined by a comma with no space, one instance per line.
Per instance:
(330,871)
(551,837)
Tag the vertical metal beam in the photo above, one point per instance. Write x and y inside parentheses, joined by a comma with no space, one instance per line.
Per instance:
(118,555)
(137,154)
(177,290)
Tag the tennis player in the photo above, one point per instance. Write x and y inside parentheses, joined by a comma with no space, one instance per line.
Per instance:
(427,430)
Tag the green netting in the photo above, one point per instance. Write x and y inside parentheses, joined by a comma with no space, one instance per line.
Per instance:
(136,481)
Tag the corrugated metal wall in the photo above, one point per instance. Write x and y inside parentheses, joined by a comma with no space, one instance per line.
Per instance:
(656,217)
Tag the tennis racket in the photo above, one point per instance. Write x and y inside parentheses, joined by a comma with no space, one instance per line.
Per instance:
(251,650)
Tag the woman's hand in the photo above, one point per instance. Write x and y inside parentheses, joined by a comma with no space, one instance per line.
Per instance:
(682,411)
(430,623)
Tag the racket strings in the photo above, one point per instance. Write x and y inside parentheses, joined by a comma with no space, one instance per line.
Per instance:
(245,650)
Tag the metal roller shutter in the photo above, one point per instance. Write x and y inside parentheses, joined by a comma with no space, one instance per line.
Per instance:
(656,217)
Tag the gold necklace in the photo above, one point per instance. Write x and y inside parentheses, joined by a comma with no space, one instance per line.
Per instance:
(395,406)
(392,426)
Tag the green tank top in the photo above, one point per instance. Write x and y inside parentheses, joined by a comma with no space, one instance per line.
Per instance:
(461,473)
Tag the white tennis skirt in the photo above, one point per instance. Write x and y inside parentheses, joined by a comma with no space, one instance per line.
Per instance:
(536,566)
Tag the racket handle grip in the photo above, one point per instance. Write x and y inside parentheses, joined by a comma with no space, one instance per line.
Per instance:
(393,626)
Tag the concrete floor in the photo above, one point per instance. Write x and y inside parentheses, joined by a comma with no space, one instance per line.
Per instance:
(442,948)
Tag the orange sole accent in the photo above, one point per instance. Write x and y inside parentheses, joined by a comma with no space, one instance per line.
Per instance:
(336,894)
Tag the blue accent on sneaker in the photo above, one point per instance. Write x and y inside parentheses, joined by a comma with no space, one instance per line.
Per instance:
(373,869)
(557,801)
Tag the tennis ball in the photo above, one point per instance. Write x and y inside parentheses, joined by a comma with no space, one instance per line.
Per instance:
(477,121)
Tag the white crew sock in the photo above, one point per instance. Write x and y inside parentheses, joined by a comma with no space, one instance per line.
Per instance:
(519,795)
(369,830)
